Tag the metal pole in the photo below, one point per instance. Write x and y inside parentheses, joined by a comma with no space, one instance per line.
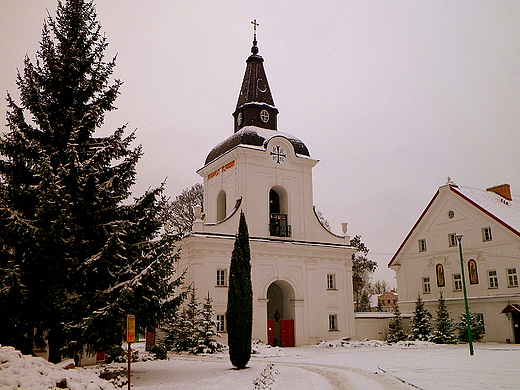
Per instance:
(129,358)
(468,322)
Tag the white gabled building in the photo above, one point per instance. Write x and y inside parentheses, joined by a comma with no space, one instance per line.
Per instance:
(428,261)
(301,272)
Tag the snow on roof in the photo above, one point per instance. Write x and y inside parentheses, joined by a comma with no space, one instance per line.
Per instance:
(504,210)
(254,136)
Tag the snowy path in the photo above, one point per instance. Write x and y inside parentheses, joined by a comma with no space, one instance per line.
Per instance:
(348,378)
(425,367)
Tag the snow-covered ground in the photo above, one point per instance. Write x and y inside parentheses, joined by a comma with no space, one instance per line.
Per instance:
(357,365)
(334,365)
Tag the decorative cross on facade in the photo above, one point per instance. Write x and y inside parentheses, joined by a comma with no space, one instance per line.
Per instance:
(278,154)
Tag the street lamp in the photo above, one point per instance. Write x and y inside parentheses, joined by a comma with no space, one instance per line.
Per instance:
(468,323)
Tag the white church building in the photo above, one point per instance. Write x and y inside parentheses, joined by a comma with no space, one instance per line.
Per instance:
(301,272)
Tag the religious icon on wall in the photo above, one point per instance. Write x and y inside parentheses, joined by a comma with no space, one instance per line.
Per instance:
(440,275)
(473,275)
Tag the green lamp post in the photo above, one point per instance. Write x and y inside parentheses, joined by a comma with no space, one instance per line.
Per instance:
(468,322)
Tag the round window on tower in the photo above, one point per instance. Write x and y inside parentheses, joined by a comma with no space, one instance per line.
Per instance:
(451,214)
(264,116)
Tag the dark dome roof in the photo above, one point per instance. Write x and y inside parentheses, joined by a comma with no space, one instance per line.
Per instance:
(254,136)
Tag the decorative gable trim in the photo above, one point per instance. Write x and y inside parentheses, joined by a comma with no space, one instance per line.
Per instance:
(455,190)
(391,263)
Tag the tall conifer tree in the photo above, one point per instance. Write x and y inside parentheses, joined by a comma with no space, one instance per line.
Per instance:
(395,327)
(240,299)
(73,259)
(443,326)
(421,327)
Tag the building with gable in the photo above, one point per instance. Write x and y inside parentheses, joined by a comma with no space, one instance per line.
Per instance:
(301,272)
(428,260)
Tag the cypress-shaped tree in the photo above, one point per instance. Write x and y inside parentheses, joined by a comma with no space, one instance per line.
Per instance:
(421,327)
(75,259)
(395,327)
(239,313)
(443,325)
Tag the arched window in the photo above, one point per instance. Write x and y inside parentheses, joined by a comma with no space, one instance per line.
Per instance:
(472,271)
(278,213)
(441,282)
(221,205)
(274,202)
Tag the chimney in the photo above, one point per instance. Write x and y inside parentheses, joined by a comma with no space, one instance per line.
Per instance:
(504,190)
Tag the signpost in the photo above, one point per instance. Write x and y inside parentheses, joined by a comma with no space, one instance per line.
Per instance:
(130,338)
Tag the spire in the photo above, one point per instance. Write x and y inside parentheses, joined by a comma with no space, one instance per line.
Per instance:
(255,106)
(254,49)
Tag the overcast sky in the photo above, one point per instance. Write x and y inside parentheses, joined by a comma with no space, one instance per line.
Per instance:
(391,96)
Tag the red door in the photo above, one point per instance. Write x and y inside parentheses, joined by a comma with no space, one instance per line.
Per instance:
(286,333)
(270,332)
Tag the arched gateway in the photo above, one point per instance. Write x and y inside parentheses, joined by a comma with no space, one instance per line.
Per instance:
(280,314)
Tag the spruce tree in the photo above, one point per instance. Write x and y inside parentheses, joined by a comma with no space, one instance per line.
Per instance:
(443,325)
(477,327)
(73,257)
(178,331)
(206,340)
(192,328)
(239,313)
(421,327)
(364,305)
(395,327)
(193,323)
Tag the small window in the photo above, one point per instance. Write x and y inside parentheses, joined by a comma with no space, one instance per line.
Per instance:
(333,322)
(221,205)
(457,282)
(331,281)
(426,285)
(451,214)
(486,234)
(452,240)
(512,278)
(221,277)
(493,279)
(422,245)
(221,323)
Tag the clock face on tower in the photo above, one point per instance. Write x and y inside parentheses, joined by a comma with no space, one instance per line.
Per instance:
(264,116)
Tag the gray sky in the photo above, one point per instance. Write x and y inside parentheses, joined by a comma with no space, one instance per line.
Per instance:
(391,97)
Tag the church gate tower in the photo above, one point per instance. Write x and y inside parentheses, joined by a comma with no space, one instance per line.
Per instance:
(301,272)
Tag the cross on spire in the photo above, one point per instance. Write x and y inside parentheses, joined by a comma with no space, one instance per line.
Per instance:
(254,49)
(254,23)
